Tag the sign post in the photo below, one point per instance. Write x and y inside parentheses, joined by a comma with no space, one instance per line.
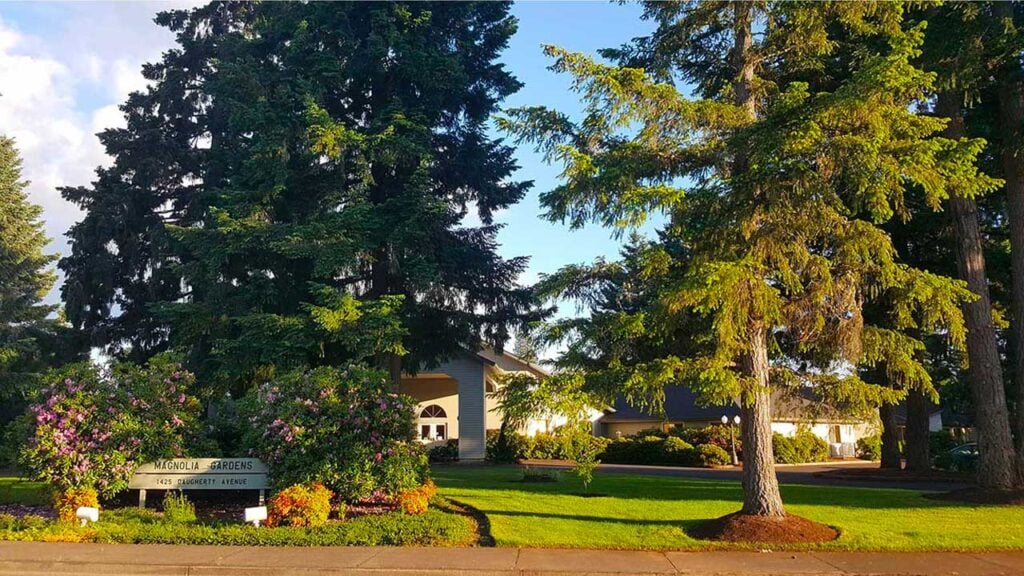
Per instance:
(201,474)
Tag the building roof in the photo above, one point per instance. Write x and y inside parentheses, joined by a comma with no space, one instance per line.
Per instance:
(509,362)
(681,406)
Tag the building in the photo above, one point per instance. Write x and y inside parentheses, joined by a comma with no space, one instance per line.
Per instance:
(790,412)
(453,399)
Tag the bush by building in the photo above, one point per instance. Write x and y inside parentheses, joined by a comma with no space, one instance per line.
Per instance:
(804,446)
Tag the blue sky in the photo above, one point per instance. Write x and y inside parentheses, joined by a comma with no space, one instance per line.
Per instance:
(64,67)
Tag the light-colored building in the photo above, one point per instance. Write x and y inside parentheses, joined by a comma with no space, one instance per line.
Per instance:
(790,412)
(453,399)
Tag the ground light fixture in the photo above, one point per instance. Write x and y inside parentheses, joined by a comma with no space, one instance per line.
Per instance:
(87,514)
(256,515)
(732,436)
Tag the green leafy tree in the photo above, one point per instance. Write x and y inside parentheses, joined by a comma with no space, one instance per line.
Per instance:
(293,189)
(772,179)
(30,341)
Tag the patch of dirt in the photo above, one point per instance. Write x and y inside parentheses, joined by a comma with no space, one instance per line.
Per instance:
(588,494)
(768,530)
(977,495)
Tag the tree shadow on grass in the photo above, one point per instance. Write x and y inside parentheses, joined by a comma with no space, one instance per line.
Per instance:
(647,488)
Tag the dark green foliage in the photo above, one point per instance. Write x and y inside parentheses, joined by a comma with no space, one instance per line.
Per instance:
(804,446)
(292,191)
(30,341)
(709,455)
(870,448)
(447,452)
(714,434)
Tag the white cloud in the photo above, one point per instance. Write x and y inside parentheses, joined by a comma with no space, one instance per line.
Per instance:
(59,88)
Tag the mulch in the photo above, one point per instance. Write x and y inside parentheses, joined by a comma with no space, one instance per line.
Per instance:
(788,529)
(975,495)
(893,475)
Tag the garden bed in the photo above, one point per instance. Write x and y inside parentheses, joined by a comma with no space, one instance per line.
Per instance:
(444,524)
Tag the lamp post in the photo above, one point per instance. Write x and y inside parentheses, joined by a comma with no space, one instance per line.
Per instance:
(732,436)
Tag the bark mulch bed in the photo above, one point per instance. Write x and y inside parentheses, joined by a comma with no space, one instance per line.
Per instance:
(762,529)
(893,475)
(976,495)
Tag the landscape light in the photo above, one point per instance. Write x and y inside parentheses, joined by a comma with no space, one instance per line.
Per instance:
(256,515)
(87,514)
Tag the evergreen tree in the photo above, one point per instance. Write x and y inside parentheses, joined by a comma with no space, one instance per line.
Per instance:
(293,188)
(29,341)
(961,50)
(772,176)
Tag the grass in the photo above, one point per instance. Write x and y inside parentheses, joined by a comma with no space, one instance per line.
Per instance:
(654,512)
(20,491)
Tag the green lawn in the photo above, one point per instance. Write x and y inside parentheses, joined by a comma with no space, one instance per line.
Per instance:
(649,512)
(19,491)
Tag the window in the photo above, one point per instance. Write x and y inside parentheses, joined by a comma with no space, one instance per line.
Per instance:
(433,411)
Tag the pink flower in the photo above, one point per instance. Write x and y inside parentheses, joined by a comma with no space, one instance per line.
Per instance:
(176,421)
(378,456)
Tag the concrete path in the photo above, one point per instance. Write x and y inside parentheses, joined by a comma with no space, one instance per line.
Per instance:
(36,559)
(787,473)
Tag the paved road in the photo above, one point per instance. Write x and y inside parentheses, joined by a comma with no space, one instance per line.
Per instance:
(788,474)
(38,559)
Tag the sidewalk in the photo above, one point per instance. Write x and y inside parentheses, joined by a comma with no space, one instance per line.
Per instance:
(33,558)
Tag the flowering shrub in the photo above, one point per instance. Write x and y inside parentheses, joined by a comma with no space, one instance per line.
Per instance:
(90,430)
(300,505)
(67,502)
(417,500)
(342,427)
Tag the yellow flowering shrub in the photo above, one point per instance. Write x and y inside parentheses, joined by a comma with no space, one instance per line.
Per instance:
(67,502)
(300,505)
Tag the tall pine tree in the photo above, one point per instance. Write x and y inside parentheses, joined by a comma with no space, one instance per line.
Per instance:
(293,190)
(30,341)
(772,178)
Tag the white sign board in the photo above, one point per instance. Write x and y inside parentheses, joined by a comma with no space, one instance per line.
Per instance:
(200,474)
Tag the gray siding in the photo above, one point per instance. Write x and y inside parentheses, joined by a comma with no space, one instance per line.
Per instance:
(472,405)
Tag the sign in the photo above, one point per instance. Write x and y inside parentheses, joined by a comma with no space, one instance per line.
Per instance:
(200,474)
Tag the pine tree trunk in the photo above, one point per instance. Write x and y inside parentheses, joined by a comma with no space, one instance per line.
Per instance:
(1011,118)
(891,457)
(996,468)
(916,446)
(761,495)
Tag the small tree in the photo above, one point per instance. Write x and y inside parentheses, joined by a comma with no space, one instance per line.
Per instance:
(583,451)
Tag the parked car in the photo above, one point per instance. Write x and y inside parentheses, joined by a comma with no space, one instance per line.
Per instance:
(963,458)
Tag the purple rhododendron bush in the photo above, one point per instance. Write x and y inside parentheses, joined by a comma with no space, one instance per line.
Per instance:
(88,429)
(343,427)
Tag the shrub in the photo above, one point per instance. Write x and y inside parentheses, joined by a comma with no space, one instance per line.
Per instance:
(178,509)
(67,502)
(715,434)
(711,455)
(447,452)
(417,500)
(540,475)
(514,447)
(91,430)
(300,505)
(678,452)
(870,448)
(340,427)
(802,447)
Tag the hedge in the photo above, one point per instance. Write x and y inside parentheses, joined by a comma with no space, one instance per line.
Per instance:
(804,446)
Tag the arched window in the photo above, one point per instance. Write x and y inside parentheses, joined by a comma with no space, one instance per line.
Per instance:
(433,411)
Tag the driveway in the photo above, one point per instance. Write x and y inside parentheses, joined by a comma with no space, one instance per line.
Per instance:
(812,474)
